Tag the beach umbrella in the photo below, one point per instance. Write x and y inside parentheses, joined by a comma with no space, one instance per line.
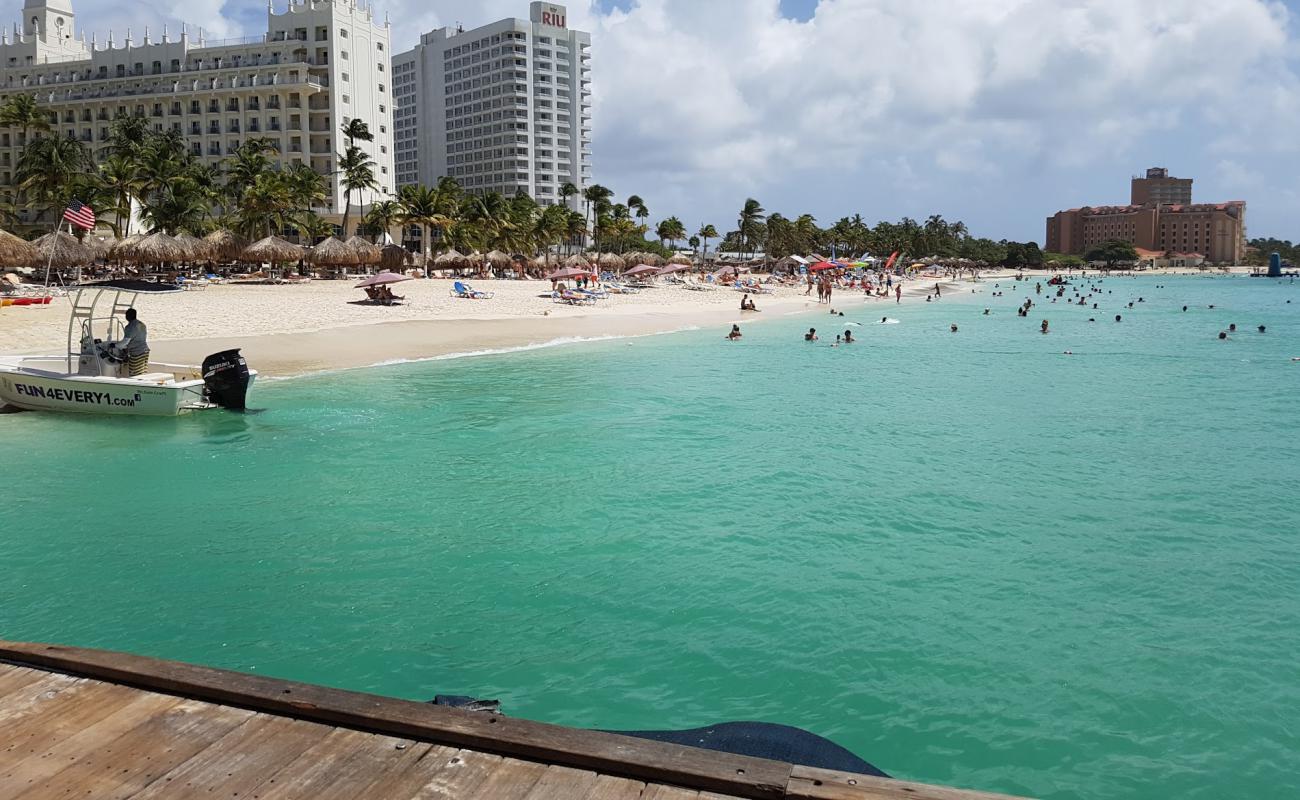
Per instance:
(451,260)
(99,245)
(272,249)
(124,249)
(196,249)
(824,265)
(498,259)
(611,261)
(577,261)
(634,257)
(159,248)
(393,256)
(331,252)
(569,272)
(224,245)
(381,279)
(15,252)
(641,269)
(671,268)
(367,252)
(61,250)
(681,259)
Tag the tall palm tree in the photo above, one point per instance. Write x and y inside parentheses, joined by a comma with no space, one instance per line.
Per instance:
(123,179)
(23,112)
(307,187)
(596,196)
(48,168)
(355,129)
(429,207)
(358,174)
(707,232)
(382,216)
(751,217)
(567,191)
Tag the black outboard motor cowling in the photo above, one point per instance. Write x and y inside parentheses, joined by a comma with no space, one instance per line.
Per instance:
(226,379)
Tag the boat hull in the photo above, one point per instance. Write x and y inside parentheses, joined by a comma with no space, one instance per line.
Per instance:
(33,390)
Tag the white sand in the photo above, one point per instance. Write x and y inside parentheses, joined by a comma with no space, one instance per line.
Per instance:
(286,330)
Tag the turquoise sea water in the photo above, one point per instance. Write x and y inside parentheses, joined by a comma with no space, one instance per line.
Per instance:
(968,557)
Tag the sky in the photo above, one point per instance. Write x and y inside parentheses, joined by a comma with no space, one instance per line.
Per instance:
(994,112)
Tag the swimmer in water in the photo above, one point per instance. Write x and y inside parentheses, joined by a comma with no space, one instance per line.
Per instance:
(1043,327)
(811,335)
(1261,328)
(953,327)
(848,337)
(1184,308)
(1233,327)
(883,320)
(735,333)
(1222,335)
(986,312)
(1118,318)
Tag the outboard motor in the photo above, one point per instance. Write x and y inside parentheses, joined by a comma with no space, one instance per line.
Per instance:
(226,379)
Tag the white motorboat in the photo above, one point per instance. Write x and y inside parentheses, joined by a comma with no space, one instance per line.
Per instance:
(93,377)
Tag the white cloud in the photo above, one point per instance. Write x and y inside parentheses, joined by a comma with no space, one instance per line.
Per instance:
(699,103)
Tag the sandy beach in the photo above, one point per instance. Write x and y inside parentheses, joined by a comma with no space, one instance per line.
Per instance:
(296,329)
(290,330)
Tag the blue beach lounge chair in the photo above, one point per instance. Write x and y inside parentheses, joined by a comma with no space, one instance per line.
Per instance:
(466,291)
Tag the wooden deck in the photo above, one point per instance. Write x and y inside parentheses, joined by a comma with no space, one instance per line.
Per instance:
(95,724)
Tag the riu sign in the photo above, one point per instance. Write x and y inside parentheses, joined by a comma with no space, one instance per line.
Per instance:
(553,16)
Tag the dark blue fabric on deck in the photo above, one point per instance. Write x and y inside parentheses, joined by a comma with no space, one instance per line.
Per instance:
(765,740)
(757,739)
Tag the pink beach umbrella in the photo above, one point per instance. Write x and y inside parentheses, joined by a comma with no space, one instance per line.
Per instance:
(381,279)
(568,272)
(671,268)
(641,269)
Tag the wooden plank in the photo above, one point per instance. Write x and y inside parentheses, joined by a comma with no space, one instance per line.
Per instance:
(340,765)
(608,787)
(454,776)
(809,783)
(62,753)
(239,761)
(511,779)
(58,714)
(598,752)
(13,678)
(36,697)
(659,791)
(411,774)
(562,783)
(127,763)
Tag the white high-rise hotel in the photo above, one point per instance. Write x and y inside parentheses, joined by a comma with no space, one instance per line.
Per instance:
(320,63)
(502,108)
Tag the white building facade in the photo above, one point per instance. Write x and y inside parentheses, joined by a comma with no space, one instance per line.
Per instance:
(320,63)
(501,108)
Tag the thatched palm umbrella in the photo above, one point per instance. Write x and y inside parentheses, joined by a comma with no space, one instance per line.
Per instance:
(100,246)
(652,259)
(578,260)
(495,260)
(394,257)
(332,253)
(62,250)
(366,252)
(681,259)
(15,252)
(272,249)
(452,260)
(159,248)
(196,249)
(611,261)
(225,246)
(124,249)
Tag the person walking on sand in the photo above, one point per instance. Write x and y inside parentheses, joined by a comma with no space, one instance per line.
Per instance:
(898,293)
(808,291)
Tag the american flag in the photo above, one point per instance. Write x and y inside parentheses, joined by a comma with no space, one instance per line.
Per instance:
(80,214)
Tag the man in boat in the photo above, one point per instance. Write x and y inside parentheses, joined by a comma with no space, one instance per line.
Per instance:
(135,345)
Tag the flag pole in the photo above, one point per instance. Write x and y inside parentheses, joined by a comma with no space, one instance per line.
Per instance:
(50,260)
